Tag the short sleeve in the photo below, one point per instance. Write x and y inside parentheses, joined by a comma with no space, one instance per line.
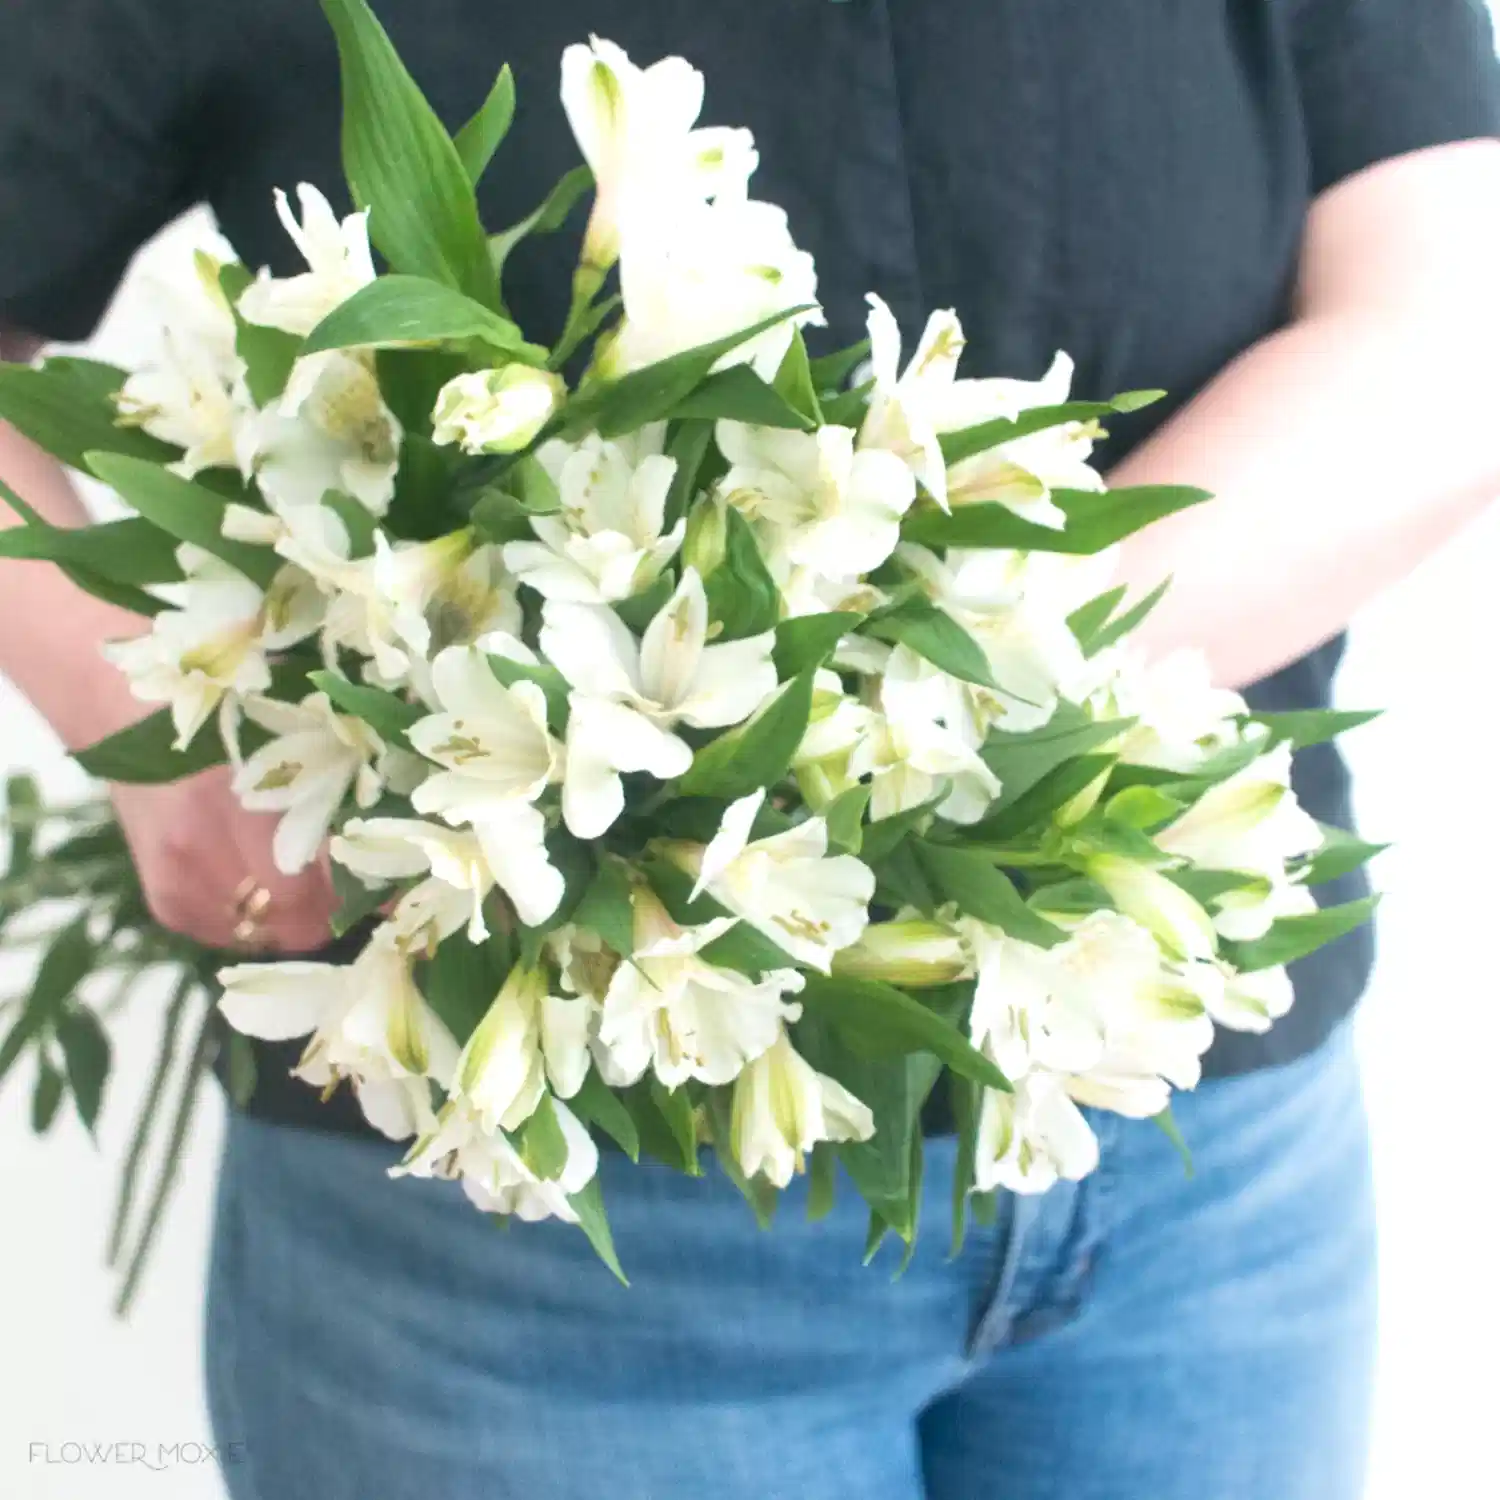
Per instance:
(1380,78)
(93,151)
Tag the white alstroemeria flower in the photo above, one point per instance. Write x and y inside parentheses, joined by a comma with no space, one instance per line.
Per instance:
(627,699)
(703,272)
(1028,1139)
(191,394)
(1181,717)
(496,411)
(787,886)
(491,740)
(368,1022)
(306,771)
(329,430)
(905,407)
(1247,914)
(1246,1002)
(494,1177)
(672,1011)
(783,1107)
(635,128)
(837,725)
(1162,907)
(912,951)
(813,500)
(338,259)
(606,543)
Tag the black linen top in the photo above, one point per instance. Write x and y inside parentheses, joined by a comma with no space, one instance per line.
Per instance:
(1124,179)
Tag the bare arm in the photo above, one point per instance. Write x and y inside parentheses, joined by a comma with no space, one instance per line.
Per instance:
(1346,448)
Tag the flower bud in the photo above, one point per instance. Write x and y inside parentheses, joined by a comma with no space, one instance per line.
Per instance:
(496,411)
(707,531)
(1163,908)
(913,952)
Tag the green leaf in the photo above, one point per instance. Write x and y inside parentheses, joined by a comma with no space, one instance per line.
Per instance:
(243,1070)
(968,878)
(761,1195)
(1133,617)
(65,964)
(132,552)
(1340,854)
(389,716)
(882,837)
(665,1121)
(1089,619)
(606,908)
(968,441)
(1308,727)
(639,610)
(964,1104)
(794,381)
(1166,1122)
(478,141)
(877,1020)
(689,447)
(553,684)
(23,802)
(654,393)
(143,753)
(822,1181)
(460,980)
(403,166)
(1291,938)
(546,218)
(741,948)
(1094,521)
(598,1104)
(588,1204)
(742,596)
(935,635)
(86,1056)
(845,817)
(757,753)
(738,394)
(541,1142)
(190,512)
(268,353)
(1033,809)
(66,407)
(849,408)
(46,1096)
(357,901)
(806,642)
(397,310)
(571,858)
(830,372)
(1143,807)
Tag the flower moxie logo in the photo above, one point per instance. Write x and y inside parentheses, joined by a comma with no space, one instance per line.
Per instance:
(120,1454)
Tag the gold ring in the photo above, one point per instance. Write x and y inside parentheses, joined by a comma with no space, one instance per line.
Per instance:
(251,900)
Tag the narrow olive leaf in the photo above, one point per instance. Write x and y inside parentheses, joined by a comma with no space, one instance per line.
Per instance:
(131,552)
(64,965)
(143,753)
(403,166)
(1307,727)
(738,394)
(966,877)
(808,641)
(845,817)
(66,407)
(1094,521)
(46,1096)
(935,635)
(1035,806)
(794,381)
(480,138)
(190,512)
(1166,1122)
(876,1019)
(596,1103)
(588,1204)
(541,1142)
(831,372)
(397,310)
(461,980)
(546,218)
(653,393)
(268,353)
(389,716)
(968,441)
(1340,854)
(1089,619)
(743,599)
(964,1105)
(1117,629)
(1291,938)
(758,752)
(605,907)
(86,1055)
(676,1107)
(688,447)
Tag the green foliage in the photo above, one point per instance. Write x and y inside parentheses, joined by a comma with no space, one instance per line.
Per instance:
(808,641)
(1314,726)
(397,310)
(589,1206)
(1291,938)
(596,1103)
(969,441)
(268,353)
(546,218)
(389,716)
(66,406)
(935,635)
(742,596)
(1036,805)
(606,906)
(143,753)
(738,394)
(86,1056)
(757,753)
(966,877)
(478,141)
(1340,854)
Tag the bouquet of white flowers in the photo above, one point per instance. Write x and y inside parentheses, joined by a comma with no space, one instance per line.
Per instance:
(723,749)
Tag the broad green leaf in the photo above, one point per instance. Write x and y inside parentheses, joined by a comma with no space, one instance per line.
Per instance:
(845,817)
(1291,938)
(66,407)
(848,409)
(541,1142)
(397,310)
(86,1056)
(934,635)
(665,1121)
(1072,897)
(689,446)
(143,753)
(546,218)
(883,835)
(132,551)
(1340,854)
(1094,521)
(46,1096)
(758,752)
(1033,809)
(480,138)
(403,166)
(606,908)
(830,372)
(1307,727)
(807,642)
(357,901)
(389,716)
(641,609)
(738,394)
(460,981)
(654,393)
(968,441)
(190,512)
(1143,807)
(553,684)
(1206,886)
(268,353)
(571,858)
(794,381)
(969,879)
(598,1104)
(742,596)
(588,1204)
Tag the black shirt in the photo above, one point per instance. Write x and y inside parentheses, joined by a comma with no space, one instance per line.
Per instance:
(1124,179)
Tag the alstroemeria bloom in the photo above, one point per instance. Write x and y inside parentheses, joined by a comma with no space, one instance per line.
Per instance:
(607,541)
(1162,907)
(1181,717)
(627,698)
(837,725)
(338,259)
(787,886)
(672,1011)
(496,411)
(912,951)
(1248,1002)
(783,1107)
(635,128)
(368,1022)
(1028,1139)
(814,501)
(306,771)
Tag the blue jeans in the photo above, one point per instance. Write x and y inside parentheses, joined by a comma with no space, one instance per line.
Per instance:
(1139,1336)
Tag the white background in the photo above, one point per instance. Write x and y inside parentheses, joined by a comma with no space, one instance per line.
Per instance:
(69,1372)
